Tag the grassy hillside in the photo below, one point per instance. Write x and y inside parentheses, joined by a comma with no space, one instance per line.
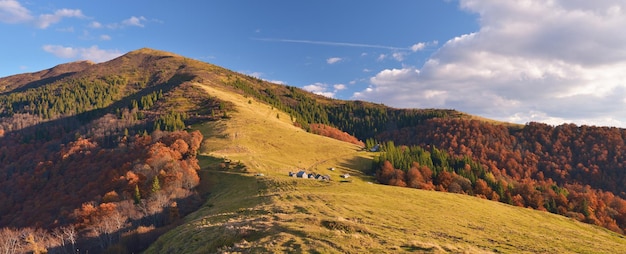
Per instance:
(89,136)
(276,213)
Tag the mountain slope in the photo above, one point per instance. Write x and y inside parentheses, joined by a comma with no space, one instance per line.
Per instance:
(278,213)
(25,81)
(96,145)
(104,153)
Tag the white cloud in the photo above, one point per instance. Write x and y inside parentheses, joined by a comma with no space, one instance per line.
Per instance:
(418,46)
(399,56)
(381,57)
(550,61)
(256,74)
(60,51)
(323,89)
(12,11)
(97,55)
(105,37)
(333,60)
(320,89)
(45,20)
(260,75)
(92,53)
(280,82)
(134,21)
(95,24)
(339,87)
(316,87)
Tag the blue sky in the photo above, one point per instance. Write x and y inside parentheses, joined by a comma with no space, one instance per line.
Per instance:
(518,61)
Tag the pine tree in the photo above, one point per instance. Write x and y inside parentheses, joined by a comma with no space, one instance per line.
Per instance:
(137,195)
(155,185)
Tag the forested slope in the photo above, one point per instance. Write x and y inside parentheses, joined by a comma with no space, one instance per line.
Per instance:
(92,155)
(576,171)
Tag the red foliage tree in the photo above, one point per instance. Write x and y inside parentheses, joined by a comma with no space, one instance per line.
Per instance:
(332,132)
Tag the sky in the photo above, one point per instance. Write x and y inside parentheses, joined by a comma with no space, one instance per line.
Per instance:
(551,61)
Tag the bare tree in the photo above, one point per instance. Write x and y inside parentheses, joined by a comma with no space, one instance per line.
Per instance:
(118,222)
(10,241)
(65,237)
(156,207)
(59,237)
(71,235)
(107,228)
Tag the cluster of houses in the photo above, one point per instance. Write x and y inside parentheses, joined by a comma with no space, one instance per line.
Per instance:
(304,174)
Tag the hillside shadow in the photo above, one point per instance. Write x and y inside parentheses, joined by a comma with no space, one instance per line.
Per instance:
(58,129)
(136,236)
(358,166)
(40,82)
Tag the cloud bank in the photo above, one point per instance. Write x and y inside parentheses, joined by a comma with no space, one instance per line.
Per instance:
(550,61)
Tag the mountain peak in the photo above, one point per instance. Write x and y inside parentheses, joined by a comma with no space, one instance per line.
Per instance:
(149,51)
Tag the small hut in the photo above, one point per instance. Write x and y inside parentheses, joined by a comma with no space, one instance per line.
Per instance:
(302,174)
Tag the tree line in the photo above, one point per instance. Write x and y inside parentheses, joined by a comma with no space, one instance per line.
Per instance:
(360,119)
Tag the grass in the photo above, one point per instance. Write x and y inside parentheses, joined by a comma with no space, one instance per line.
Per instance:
(267,144)
(276,213)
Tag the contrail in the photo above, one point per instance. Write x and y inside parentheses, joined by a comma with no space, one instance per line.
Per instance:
(330,43)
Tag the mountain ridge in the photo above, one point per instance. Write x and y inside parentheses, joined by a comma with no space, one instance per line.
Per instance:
(8,84)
